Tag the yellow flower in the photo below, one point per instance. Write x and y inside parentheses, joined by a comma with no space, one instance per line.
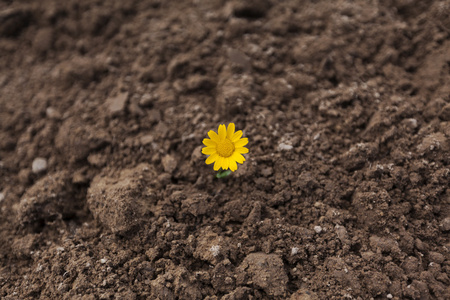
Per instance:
(225,148)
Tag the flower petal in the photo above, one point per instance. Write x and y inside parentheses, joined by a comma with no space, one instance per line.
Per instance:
(213,136)
(233,165)
(236,136)
(230,130)
(212,158)
(218,163)
(238,157)
(208,142)
(241,150)
(209,150)
(241,143)
(222,132)
(225,163)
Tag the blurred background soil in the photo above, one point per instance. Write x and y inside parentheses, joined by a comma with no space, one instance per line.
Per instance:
(104,193)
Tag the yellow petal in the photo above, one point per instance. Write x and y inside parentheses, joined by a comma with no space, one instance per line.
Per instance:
(233,165)
(230,130)
(212,158)
(218,163)
(241,150)
(213,136)
(241,143)
(236,136)
(238,157)
(208,142)
(209,150)
(222,132)
(225,163)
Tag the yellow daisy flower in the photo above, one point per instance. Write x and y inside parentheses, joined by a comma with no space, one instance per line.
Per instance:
(226,148)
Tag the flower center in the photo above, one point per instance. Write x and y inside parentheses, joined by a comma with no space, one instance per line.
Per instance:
(225,148)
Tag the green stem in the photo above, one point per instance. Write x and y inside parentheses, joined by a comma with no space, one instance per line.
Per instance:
(223,173)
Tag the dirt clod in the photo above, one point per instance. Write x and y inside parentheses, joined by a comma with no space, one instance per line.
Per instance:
(50,198)
(265,271)
(121,202)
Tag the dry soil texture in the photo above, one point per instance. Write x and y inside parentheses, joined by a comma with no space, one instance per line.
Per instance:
(104,193)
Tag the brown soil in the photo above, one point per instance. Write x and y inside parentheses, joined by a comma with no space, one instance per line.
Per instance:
(104,193)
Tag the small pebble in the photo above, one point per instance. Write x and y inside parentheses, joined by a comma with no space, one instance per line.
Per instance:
(169,163)
(294,250)
(39,165)
(389,296)
(103,260)
(445,224)
(116,105)
(318,229)
(215,250)
(52,113)
(146,139)
(285,147)
(2,196)
(147,100)
(411,123)
(266,172)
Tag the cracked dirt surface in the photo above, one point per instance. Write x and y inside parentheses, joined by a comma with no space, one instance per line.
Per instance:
(104,193)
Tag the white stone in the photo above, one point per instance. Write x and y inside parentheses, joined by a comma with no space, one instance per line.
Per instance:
(103,260)
(39,165)
(389,296)
(294,250)
(412,123)
(52,113)
(284,147)
(215,250)
(318,229)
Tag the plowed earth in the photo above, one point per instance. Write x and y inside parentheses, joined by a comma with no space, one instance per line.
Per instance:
(104,193)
